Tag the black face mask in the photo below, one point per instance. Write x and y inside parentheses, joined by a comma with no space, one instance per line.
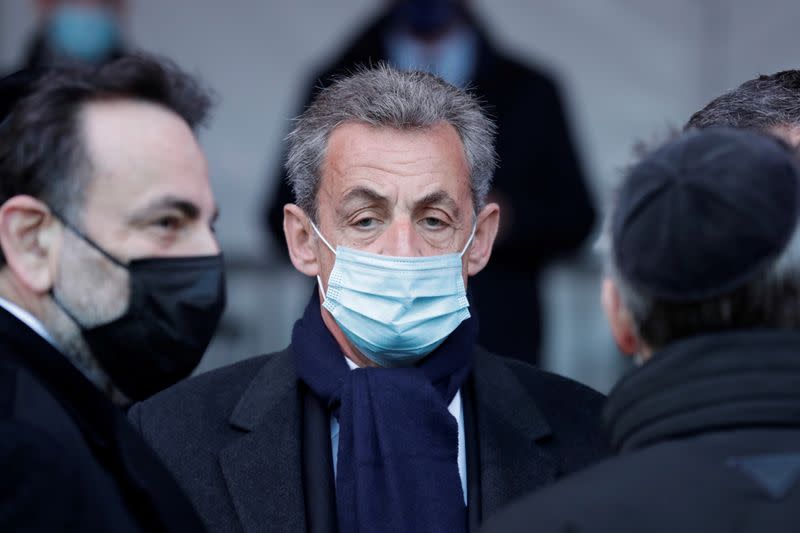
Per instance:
(175,306)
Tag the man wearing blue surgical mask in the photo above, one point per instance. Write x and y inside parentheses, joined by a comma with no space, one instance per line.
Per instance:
(383,414)
(547,210)
(83,32)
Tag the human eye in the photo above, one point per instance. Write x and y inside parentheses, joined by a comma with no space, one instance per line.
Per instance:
(366,222)
(433,223)
(167,223)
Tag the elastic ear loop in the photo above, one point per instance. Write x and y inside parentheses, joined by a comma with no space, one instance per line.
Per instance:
(469,241)
(319,234)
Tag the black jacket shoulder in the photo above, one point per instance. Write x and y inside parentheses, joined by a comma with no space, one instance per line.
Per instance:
(201,398)
(686,485)
(571,410)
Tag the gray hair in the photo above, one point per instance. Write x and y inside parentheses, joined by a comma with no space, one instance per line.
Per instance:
(386,97)
(760,104)
(772,300)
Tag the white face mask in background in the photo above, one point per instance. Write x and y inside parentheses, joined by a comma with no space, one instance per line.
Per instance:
(396,310)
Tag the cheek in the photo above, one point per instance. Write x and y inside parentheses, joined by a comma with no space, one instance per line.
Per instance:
(326,261)
(96,290)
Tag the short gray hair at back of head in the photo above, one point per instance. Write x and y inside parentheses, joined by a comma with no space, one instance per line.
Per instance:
(385,97)
(762,103)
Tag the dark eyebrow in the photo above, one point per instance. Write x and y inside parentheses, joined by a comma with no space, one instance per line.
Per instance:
(363,194)
(441,198)
(187,208)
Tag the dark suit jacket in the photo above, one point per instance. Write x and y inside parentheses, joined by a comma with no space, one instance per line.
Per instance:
(69,460)
(252,446)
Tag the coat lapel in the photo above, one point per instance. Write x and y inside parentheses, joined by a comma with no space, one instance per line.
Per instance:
(262,468)
(510,430)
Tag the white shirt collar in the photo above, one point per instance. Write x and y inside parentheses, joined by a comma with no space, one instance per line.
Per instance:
(31,321)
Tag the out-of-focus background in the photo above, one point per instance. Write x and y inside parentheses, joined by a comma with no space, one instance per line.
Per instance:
(628,71)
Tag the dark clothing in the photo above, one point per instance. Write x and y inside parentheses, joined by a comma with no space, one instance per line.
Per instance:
(251,444)
(398,442)
(69,459)
(708,436)
(539,178)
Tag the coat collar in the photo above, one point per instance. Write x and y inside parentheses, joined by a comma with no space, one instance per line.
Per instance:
(707,383)
(511,431)
(87,406)
(262,467)
(151,493)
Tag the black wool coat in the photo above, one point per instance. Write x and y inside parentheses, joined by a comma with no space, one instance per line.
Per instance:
(708,440)
(251,445)
(69,460)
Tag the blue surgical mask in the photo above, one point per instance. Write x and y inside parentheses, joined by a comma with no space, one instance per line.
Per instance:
(84,33)
(396,310)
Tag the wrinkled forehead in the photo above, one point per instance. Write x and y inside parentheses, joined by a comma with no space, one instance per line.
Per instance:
(395,164)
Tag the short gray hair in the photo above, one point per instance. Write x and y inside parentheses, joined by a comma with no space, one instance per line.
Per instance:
(383,96)
(758,104)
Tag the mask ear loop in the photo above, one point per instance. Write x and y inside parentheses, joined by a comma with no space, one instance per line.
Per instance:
(324,240)
(469,241)
(319,234)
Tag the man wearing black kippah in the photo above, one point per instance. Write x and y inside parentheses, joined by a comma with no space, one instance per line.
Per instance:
(702,287)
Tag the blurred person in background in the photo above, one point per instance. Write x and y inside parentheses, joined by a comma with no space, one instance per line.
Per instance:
(69,32)
(384,413)
(702,287)
(539,183)
(111,285)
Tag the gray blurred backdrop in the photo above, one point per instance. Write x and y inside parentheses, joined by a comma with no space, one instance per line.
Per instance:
(629,70)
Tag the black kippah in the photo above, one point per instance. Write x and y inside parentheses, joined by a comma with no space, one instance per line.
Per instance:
(705,214)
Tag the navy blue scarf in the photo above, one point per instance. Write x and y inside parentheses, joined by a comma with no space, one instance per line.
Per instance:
(397,467)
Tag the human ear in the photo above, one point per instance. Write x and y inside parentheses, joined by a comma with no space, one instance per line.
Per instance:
(30,239)
(300,240)
(619,319)
(486,227)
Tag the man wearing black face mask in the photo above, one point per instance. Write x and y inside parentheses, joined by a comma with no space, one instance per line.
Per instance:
(111,285)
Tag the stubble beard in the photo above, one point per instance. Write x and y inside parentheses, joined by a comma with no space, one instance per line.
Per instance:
(95,291)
